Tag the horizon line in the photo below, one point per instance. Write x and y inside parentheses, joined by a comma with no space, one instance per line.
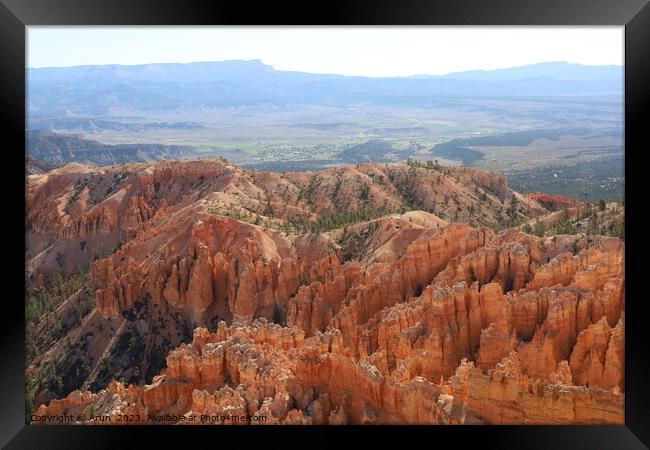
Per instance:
(322,73)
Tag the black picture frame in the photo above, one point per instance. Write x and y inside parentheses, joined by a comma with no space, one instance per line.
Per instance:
(15,15)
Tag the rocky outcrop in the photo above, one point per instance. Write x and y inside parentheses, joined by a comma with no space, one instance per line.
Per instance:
(417,266)
(553,202)
(83,211)
(597,358)
(266,373)
(465,353)
(405,318)
(506,396)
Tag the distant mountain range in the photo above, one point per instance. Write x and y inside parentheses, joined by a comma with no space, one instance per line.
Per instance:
(94,91)
(558,70)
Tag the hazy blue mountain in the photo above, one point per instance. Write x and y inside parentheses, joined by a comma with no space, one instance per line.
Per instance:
(109,89)
(558,70)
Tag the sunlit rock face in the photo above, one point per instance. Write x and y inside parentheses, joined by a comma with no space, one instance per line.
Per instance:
(402,318)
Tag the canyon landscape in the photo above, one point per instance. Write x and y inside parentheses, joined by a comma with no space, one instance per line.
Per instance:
(325,226)
(198,291)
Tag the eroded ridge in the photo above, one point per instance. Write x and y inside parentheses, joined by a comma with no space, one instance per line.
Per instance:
(437,323)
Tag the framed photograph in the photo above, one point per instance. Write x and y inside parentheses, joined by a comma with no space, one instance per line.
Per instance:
(389,218)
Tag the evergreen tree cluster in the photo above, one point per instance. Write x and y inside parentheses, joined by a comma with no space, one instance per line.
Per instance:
(337,219)
(40,306)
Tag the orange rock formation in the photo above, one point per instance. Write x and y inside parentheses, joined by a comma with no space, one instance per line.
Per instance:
(433,322)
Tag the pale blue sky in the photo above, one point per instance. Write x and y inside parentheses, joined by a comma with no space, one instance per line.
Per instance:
(370,51)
